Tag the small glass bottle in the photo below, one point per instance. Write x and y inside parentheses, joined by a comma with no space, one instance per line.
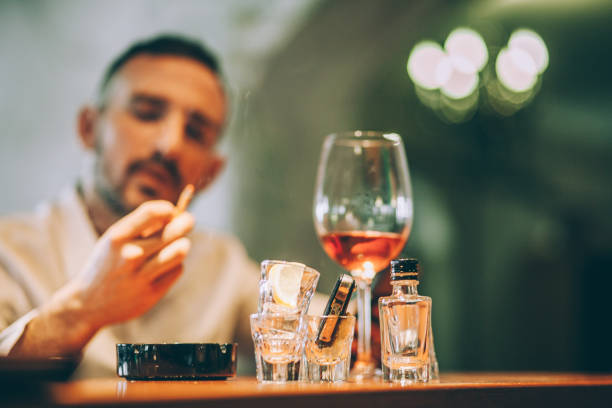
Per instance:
(405,324)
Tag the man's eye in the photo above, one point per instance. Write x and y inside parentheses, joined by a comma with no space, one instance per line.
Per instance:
(147,114)
(196,133)
(147,110)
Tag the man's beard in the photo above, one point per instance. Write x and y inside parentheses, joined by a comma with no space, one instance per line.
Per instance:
(113,196)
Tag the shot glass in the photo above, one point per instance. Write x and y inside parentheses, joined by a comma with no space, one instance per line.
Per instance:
(279,344)
(327,351)
(286,287)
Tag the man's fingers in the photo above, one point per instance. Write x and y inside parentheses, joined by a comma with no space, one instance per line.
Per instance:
(166,259)
(164,282)
(179,226)
(152,229)
(143,248)
(181,205)
(150,214)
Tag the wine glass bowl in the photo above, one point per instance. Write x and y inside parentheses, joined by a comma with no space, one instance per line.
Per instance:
(363,253)
(363,212)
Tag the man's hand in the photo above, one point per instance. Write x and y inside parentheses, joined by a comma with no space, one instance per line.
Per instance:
(128,274)
(125,276)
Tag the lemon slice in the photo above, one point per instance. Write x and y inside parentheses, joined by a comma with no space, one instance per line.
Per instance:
(285,281)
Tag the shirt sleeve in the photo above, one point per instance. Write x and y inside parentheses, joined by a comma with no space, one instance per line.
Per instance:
(15,312)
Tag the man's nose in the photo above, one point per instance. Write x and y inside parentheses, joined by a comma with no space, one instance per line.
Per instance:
(172,134)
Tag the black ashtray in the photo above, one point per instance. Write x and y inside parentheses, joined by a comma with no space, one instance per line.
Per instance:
(177,361)
(25,379)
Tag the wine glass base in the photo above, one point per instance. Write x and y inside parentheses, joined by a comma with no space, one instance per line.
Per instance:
(365,371)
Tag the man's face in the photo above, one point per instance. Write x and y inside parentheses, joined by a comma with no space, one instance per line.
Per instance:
(157,131)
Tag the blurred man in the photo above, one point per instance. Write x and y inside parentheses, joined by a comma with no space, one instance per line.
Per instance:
(111,261)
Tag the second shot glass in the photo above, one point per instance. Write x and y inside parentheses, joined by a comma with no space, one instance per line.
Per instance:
(327,351)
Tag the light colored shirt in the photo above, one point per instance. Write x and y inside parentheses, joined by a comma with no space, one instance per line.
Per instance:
(210,302)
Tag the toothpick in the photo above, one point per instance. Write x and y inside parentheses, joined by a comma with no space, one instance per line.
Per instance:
(181,205)
(184,199)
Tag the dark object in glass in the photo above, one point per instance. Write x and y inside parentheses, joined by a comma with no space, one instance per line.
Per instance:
(336,306)
(177,361)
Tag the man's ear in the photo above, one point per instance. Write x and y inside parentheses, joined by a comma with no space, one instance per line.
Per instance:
(86,122)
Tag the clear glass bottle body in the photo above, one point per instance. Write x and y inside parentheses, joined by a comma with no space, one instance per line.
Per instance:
(405,320)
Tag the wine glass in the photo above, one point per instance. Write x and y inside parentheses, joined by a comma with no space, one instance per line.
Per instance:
(363,215)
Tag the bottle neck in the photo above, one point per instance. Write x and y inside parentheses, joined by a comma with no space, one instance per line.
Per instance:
(406,287)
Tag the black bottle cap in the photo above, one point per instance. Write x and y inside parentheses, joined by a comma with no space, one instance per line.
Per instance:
(405,269)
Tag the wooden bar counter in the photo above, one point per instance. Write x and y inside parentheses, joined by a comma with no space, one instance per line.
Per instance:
(452,390)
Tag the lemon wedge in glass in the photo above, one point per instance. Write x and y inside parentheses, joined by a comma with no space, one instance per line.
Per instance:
(285,280)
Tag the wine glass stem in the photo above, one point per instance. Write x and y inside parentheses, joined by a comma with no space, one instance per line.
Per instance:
(364,312)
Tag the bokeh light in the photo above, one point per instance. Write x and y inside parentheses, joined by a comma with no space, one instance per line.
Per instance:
(516,69)
(530,42)
(422,64)
(467,43)
(457,76)
(448,79)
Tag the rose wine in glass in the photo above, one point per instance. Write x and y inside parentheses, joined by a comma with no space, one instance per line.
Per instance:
(363,215)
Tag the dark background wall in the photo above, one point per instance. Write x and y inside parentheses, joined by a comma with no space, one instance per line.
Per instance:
(512,214)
